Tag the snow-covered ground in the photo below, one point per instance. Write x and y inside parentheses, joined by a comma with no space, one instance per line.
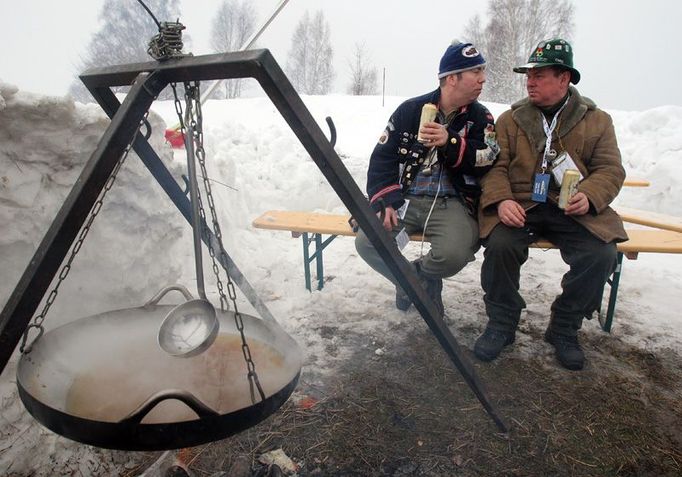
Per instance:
(140,243)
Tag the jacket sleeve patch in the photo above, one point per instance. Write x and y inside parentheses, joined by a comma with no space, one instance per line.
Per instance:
(383,139)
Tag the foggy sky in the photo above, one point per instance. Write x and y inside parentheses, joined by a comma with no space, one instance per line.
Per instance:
(625,50)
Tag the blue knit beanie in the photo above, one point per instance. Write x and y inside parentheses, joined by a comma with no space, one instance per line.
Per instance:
(459,57)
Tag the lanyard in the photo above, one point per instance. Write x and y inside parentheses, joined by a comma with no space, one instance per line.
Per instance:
(549,129)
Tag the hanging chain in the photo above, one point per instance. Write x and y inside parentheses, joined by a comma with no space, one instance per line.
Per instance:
(168,42)
(66,268)
(194,115)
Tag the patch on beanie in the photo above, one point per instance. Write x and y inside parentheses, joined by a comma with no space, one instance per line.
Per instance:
(470,52)
(459,57)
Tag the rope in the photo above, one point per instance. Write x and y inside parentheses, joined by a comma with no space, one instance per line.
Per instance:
(150,13)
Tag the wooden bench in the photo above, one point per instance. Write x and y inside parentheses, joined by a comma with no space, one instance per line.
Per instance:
(650,219)
(305,224)
(636,182)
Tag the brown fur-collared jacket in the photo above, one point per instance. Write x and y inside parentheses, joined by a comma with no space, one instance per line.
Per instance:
(586,133)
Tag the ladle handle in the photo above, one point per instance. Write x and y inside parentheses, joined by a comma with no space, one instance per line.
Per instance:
(157,298)
(194,200)
(187,398)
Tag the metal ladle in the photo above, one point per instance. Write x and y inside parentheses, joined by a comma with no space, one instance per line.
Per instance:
(190,328)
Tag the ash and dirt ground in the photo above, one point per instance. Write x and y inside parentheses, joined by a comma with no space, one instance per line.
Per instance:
(410,413)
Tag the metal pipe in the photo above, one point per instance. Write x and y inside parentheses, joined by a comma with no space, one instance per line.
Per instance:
(209,91)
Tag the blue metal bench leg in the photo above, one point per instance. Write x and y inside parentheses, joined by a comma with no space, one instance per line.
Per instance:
(317,256)
(320,262)
(613,295)
(306,261)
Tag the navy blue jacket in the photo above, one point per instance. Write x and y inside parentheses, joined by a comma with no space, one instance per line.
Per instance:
(469,153)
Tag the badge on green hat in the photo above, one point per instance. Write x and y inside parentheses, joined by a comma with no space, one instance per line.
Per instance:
(551,52)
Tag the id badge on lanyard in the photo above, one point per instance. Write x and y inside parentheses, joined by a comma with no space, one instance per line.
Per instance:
(540,187)
(541,180)
(561,164)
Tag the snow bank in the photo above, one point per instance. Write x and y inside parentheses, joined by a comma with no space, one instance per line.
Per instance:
(651,146)
(44,144)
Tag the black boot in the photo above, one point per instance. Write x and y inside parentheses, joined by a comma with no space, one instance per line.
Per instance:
(433,287)
(562,332)
(568,350)
(491,343)
(402,301)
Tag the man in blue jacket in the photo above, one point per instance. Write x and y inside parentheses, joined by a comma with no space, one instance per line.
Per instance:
(429,184)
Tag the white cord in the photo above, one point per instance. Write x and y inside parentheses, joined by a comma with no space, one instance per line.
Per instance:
(426,224)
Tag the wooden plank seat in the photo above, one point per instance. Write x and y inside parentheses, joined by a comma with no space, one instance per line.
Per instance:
(301,224)
(636,182)
(650,219)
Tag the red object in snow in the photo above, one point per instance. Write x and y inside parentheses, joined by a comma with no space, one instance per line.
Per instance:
(175,138)
(307,402)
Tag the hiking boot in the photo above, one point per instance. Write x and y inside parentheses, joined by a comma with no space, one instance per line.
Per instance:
(433,287)
(568,350)
(491,343)
(402,301)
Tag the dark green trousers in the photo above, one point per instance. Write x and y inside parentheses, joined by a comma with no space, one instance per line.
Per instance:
(591,263)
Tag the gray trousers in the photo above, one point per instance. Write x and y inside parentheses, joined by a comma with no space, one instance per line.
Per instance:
(453,234)
(591,263)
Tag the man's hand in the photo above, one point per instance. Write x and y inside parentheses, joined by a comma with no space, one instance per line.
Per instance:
(577,205)
(390,219)
(511,213)
(434,134)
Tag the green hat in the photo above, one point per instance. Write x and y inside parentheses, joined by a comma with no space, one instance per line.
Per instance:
(555,52)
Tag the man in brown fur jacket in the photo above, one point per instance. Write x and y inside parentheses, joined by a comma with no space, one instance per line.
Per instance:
(552,130)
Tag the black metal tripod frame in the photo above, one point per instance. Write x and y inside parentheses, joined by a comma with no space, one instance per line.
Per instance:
(148,80)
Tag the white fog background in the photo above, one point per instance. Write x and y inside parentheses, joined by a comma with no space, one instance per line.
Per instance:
(626,50)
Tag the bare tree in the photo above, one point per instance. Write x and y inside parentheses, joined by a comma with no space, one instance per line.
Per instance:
(233,24)
(363,76)
(126,29)
(514,28)
(473,33)
(309,63)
